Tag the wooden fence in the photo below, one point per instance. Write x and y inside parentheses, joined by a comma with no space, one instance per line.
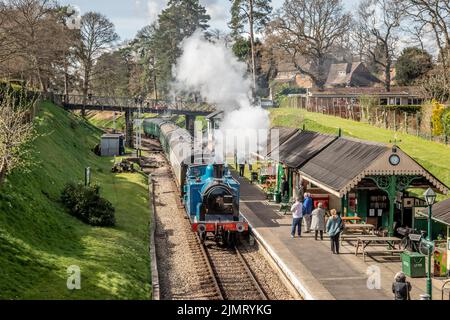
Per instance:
(381,117)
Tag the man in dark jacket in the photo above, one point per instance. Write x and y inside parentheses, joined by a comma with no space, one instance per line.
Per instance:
(284,188)
(242,169)
(401,288)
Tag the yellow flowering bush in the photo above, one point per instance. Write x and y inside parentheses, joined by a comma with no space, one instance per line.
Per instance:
(436,118)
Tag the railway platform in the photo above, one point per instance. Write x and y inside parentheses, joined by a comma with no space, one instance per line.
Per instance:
(310,266)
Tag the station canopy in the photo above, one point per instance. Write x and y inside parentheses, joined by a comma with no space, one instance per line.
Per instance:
(301,147)
(441,212)
(278,136)
(338,165)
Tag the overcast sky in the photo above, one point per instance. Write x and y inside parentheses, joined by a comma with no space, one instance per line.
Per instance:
(129,16)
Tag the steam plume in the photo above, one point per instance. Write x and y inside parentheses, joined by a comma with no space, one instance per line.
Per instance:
(212,70)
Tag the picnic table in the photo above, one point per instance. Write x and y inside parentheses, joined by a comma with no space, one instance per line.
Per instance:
(364,228)
(393,244)
(350,219)
(354,231)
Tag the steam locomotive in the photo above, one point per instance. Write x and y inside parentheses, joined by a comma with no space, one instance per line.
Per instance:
(209,193)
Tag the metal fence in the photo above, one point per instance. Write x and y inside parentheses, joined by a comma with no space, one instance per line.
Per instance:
(134,103)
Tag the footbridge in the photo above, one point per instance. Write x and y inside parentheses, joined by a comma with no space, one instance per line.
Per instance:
(129,106)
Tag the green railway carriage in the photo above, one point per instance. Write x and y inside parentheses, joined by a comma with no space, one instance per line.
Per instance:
(152,127)
(175,142)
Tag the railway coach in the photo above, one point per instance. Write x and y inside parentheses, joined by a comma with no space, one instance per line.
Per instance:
(210,194)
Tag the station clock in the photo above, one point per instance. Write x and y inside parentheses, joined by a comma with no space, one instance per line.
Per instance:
(394,160)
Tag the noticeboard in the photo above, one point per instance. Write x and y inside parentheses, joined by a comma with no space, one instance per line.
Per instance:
(420,213)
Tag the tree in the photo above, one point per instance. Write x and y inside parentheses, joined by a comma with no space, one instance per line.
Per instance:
(436,15)
(254,13)
(97,34)
(377,32)
(16,130)
(144,74)
(412,64)
(36,39)
(178,21)
(309,30)
(112,72)
(436,85)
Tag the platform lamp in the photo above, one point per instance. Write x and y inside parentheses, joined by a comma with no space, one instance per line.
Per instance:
(430,198)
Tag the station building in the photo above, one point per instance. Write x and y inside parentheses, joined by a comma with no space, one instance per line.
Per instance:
(355,177)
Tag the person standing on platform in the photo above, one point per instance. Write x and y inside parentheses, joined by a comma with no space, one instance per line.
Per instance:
(242,169)
(307,211)
(318,221)
(334,228)
(401,288)
(284,188)
(297,215)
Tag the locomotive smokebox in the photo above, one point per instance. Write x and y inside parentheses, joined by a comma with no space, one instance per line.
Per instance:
(218,171)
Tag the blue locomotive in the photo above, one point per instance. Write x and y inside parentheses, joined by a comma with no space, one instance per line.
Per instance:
(209,193)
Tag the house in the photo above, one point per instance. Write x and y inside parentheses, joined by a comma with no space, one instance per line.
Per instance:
(289,74)
(336,101)
(354,74)
(340,75)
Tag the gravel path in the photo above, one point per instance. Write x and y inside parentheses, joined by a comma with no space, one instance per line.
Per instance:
(181,273)
(264,273)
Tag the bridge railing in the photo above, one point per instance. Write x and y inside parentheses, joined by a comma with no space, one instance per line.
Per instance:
(125,102)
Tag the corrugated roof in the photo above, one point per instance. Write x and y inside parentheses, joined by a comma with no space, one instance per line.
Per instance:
(284,134)
(215,115)
(302,146)
(441,211)
(342,161)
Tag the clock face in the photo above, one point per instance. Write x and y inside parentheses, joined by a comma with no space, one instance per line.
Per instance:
(394,160)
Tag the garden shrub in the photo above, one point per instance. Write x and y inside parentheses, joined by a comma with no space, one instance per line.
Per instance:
(437,117)
(86,204)
(446,121)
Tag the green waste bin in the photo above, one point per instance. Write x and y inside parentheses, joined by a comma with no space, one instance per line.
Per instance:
(262,179)
(277,197)
(413,264)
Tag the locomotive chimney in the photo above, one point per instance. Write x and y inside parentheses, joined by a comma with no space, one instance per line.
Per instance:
(218,171)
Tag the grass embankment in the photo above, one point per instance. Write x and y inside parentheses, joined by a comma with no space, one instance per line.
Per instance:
(39,240)
(434,156)
(105,120)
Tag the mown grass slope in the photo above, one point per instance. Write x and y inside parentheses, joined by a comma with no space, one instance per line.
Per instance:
(39,240)
(435,157)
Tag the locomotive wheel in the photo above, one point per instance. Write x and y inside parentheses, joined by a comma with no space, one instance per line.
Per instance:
(202,236)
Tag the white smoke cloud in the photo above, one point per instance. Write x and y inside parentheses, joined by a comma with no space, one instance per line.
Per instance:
(213,71)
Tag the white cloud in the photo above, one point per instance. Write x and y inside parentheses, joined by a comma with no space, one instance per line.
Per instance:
(154,8)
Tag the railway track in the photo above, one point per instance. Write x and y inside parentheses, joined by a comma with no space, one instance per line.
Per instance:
(222,273)
(233,276)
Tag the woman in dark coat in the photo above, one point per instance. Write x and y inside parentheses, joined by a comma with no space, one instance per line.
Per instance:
(401,288)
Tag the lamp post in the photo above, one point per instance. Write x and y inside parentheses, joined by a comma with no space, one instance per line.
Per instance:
(430,198)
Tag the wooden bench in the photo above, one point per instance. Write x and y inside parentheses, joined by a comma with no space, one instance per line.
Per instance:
(353,237)
(286,207)
(375,252)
